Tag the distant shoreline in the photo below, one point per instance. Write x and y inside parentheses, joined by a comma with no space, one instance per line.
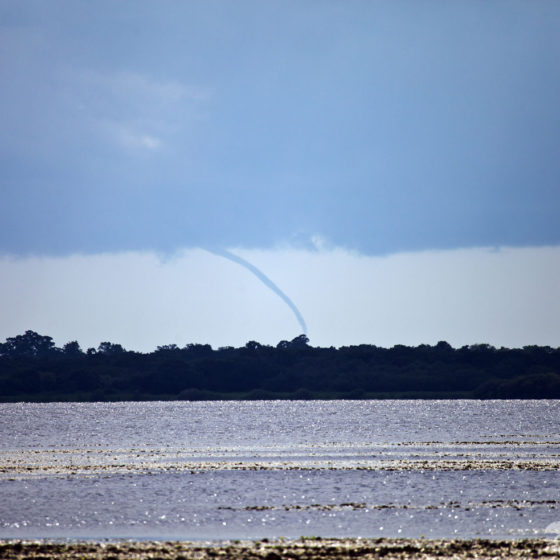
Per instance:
(309,548)
(252,397)
(32,369)
(208,396)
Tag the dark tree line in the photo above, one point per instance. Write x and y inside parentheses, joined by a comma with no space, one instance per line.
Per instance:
(33,368)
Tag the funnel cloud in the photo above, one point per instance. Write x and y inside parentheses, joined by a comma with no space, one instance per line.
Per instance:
(264,279)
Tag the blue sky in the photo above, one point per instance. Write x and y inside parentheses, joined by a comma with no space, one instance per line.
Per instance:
(374,128)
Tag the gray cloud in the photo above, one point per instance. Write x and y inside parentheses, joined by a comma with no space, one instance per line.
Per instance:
(382,129)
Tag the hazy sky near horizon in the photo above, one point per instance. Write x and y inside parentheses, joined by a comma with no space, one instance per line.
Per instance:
(362,152)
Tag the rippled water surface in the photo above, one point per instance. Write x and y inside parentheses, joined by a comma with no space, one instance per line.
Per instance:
(216,470)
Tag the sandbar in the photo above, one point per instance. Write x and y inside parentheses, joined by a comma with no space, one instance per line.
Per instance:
(275,549)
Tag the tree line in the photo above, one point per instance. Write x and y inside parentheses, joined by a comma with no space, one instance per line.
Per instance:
(32,368)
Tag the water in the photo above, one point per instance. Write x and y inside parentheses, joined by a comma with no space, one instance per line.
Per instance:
(217,470)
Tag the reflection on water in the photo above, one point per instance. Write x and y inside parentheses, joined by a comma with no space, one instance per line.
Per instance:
(241,470)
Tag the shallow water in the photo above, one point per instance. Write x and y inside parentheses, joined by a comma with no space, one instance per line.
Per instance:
(263,469)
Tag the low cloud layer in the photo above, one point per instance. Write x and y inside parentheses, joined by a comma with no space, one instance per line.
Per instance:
(507,297)
(377,125)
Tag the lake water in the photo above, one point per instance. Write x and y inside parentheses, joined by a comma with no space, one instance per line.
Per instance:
(233,470)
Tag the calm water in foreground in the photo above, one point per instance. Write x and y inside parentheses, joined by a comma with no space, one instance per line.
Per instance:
(227,470)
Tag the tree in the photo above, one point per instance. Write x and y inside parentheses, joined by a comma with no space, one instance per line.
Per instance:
(28,345)
(198,350)
(110,348)
(299,341)
(72,349)
(167,348)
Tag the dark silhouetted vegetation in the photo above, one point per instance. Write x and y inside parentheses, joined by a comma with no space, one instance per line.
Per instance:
(32,368)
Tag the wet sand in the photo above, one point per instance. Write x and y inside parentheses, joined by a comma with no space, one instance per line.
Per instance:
(444,457)
(304,548)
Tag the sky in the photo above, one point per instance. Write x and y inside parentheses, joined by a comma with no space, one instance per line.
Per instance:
(219,172)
